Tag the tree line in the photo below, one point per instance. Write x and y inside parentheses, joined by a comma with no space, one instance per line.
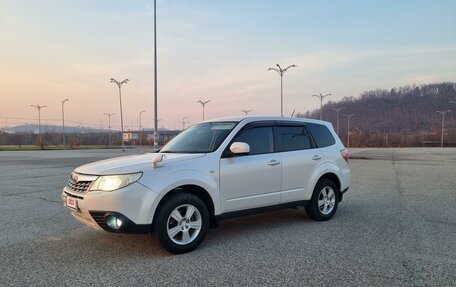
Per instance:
(403,116)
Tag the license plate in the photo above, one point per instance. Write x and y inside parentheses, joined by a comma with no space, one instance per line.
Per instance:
(71,203)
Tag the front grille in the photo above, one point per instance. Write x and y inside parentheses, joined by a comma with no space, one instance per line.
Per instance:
(72,195)
(78,186)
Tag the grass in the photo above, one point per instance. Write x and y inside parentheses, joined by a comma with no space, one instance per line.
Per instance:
(30,147)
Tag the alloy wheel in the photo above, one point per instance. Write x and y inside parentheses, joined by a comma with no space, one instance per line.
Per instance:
(184,224)
(326,200)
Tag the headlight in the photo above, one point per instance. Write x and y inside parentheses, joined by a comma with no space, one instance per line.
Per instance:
(113,182)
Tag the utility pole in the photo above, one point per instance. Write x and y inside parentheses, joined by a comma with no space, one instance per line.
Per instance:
(348,128)
(38,107)
(203,104)
(109,125)
(281,72)
(443,124)
(386,137)
(119,84)
(321,97)
(183,123)
(63,122)
(246,112)
(337,111)
(140,129)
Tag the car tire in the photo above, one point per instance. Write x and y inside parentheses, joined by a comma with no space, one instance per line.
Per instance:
(182,222)
(324,201)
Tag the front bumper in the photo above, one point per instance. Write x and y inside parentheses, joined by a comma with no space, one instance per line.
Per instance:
(127,226)
(132,204)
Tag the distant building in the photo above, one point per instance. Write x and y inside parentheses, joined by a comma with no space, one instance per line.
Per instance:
(132,137)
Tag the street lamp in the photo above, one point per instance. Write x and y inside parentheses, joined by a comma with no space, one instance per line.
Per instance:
(321,97)
(63,122)
(155,80)
(38,107)
(203,104)
(337,111)
(140,130)
(348,128)
(184,122)
(281,72)
(246,111)
(119,84)
(109,125)
(443,124)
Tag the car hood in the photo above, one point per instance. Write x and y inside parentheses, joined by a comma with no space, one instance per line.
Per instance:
(131,164)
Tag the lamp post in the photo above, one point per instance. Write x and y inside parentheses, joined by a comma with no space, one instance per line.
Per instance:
(246,112)
(443,124)
(348,128)
(184,122)
(321,97)
(119,84)
(337,111)
(155,80)
(140,128)
(203,103)
(63,121)
(281,72)
(38,107)
(25,133)
(109,125)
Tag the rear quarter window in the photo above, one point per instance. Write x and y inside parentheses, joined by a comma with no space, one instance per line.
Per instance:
(321,134)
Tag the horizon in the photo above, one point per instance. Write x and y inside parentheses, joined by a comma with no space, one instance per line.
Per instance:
(212,50)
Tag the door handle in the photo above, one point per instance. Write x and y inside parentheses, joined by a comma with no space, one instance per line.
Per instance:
(273,162)
(316,157)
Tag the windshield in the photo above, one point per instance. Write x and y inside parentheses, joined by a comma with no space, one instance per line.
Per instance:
(200,138)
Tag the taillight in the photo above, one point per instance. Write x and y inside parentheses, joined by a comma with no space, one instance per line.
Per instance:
(344,154)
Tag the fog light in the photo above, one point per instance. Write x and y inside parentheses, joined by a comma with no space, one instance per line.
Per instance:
(113,222)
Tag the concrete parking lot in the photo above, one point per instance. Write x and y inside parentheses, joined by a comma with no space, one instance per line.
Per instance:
(396,226)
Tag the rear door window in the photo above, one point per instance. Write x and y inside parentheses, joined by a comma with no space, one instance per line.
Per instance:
(293,138)
(321,134)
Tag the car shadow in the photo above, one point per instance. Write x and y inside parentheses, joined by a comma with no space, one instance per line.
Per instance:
(258,225)
(98,246)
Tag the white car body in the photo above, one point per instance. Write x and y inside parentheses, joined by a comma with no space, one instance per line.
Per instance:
(232,184)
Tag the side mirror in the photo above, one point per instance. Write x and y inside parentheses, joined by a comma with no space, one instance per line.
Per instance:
(239,148)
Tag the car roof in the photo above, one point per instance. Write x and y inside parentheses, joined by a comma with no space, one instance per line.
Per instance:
(267,118)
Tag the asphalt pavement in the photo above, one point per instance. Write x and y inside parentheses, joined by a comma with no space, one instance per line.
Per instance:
(395,226)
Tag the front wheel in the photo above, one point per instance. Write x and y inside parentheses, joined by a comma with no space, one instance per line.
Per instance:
(325,199)
(182,223)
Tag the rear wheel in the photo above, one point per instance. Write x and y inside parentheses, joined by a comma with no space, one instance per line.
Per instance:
(182,223)
(325,199)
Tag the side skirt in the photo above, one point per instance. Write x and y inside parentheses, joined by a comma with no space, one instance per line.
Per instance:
(246,212)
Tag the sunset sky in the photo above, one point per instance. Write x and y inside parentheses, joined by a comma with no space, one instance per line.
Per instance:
(212,50)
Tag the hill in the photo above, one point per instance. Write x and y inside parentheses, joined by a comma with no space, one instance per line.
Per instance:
(404,116)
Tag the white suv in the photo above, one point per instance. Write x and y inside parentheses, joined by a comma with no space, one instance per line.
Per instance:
(212,171)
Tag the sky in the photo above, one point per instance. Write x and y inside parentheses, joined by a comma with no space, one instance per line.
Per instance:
(211,50)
